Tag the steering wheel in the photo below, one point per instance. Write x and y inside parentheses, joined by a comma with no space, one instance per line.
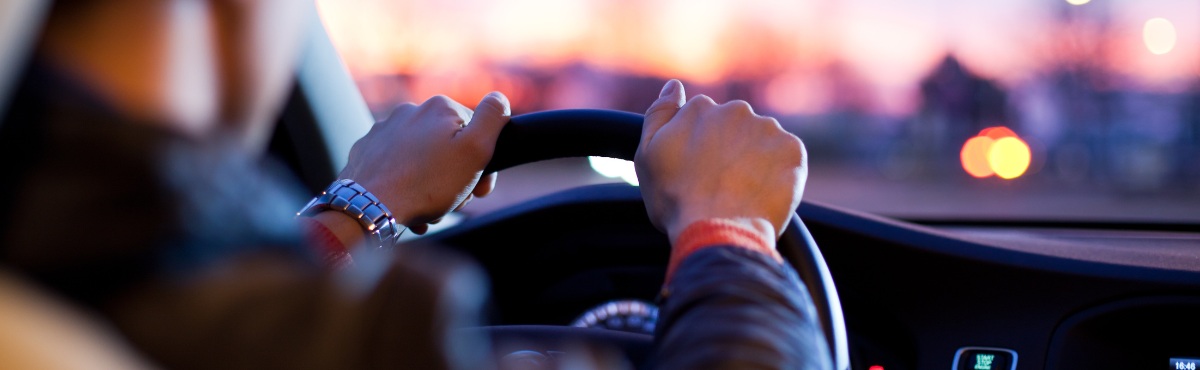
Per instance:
(589,132)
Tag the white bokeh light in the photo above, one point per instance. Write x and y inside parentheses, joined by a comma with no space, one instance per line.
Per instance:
(614,168)
(1159,35)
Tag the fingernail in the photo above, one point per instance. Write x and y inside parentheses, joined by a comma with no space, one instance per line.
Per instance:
(669,88)
(499,97)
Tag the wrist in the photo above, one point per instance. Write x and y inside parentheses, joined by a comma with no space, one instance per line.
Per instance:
(758,225)
(356,204)
(750,234)
(389,201)
(345,228)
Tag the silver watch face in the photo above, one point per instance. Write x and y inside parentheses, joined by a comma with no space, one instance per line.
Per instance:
(631,316)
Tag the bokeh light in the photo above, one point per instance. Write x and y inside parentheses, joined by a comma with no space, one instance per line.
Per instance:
(974,156)
(1159,36)
(614,168)
(1079,2)
(996,151)
(1009,157)
(998,132)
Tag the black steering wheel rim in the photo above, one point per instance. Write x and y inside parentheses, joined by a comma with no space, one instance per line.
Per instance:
(607,133)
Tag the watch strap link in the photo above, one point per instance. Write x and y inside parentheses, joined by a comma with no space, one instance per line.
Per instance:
(355,201)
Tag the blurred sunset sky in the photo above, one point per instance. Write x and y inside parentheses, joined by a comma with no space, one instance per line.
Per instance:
(461,47)
(897,100)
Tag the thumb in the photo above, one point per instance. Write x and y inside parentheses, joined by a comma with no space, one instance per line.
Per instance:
(490,116)
(662,110)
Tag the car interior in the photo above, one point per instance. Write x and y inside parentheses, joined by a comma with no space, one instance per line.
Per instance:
(915,295)
(894,293)
(36,326)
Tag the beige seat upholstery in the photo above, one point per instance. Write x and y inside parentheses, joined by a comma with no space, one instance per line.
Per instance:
(40,332)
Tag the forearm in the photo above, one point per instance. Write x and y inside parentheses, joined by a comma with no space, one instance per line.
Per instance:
(766,317)
(727,271)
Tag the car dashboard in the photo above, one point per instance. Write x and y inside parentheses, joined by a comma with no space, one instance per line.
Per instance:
(914,296)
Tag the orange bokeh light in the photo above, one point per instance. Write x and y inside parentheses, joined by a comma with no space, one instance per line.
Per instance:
(995,151)
(974,156)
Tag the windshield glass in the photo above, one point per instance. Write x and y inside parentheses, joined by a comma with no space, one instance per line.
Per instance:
(929,109)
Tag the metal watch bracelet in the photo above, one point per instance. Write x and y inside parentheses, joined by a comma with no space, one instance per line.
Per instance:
(353,200)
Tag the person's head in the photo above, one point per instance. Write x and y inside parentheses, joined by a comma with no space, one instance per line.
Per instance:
(197,66)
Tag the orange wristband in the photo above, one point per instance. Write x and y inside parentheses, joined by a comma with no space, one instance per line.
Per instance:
(718,232)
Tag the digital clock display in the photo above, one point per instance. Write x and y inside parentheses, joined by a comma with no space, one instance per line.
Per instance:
(1179,363)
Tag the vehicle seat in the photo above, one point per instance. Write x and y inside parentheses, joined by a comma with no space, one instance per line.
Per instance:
(41,332)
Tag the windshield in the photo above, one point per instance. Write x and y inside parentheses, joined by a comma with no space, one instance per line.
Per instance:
(928,109)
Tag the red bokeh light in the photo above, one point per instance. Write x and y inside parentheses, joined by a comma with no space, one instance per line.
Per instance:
(998,132)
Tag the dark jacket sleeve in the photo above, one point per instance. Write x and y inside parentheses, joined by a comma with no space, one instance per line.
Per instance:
(732,308)
(187,247)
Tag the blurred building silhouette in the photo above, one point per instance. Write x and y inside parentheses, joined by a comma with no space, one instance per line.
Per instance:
(955,104)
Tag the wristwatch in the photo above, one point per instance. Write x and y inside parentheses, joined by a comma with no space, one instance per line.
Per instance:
(353,200)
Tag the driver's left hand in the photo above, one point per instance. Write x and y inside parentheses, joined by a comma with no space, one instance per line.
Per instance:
(427,160)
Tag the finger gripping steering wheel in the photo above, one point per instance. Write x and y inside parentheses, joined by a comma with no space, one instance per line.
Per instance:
(590,132)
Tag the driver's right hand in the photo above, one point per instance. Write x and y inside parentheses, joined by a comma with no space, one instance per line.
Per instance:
(698,160)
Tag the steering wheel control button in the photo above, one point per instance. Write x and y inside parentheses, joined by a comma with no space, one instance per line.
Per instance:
(625,315)
(985,358)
